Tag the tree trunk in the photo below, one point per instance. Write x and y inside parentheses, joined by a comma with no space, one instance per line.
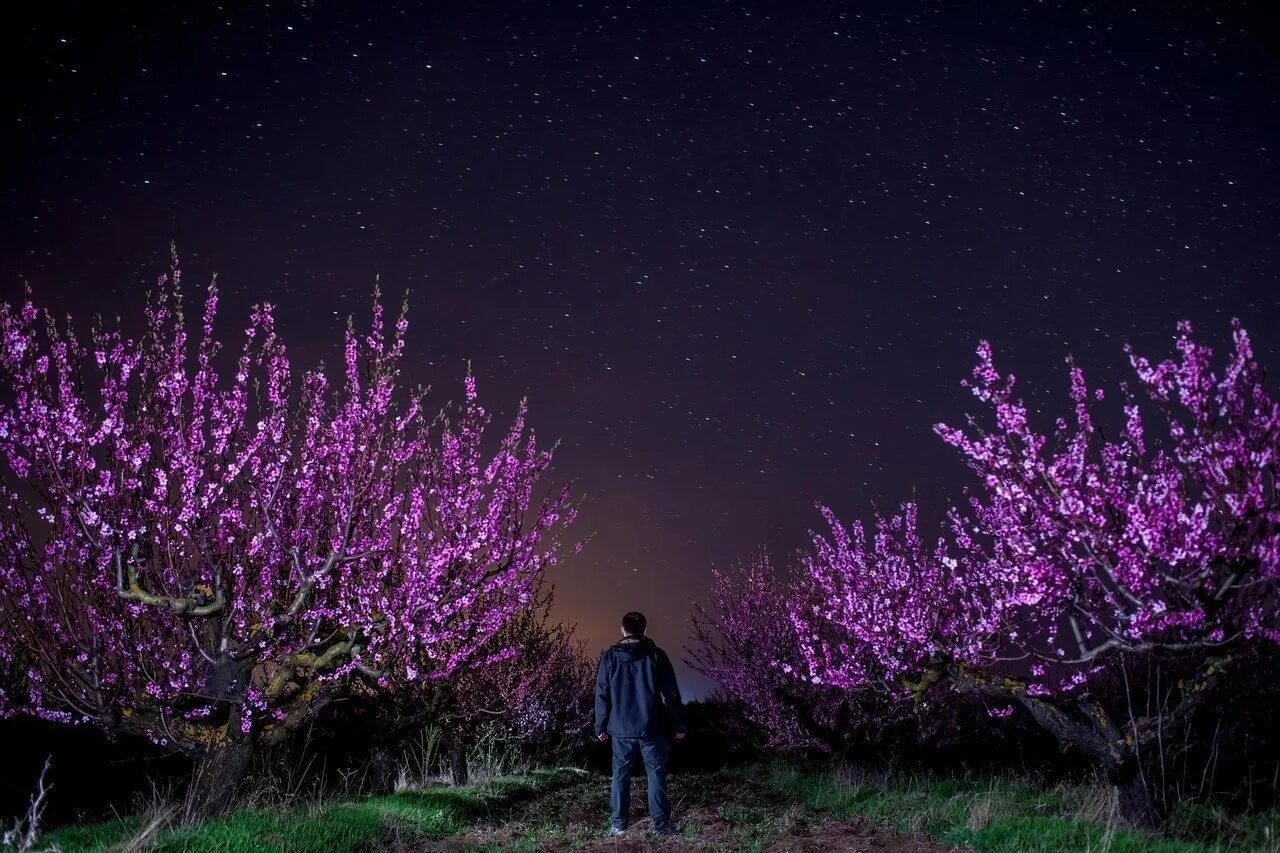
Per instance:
(1085,726)
(458,760)
(384,769)
(1134,799)
(217,776)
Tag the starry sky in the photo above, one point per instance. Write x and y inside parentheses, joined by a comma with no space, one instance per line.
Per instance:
(737,254)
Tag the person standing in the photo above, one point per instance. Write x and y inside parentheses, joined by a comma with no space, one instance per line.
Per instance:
(634,684)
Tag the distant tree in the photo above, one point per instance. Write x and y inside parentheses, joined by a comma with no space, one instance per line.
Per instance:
(1083,551)
(537,697)
(210,560)
(529,700)
(748,644)
(782,656)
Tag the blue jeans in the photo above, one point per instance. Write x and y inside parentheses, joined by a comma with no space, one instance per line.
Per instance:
(654,752)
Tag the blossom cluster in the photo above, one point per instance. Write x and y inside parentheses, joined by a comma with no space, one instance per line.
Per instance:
(1138,541)
(882,608)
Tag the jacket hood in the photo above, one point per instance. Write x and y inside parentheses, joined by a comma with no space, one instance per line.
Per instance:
(629,650)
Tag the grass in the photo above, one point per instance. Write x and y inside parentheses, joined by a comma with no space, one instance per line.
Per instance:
(405,816)
(1008,816)
(743,809)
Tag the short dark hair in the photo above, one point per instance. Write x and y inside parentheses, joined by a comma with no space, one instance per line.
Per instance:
(634,624)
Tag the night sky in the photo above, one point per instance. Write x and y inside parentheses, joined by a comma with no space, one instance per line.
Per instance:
(737,255)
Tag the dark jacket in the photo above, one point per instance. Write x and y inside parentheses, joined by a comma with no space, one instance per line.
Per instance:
(633,684)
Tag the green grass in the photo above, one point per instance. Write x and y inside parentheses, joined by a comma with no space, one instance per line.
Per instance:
(338,826)
(744,809)
(1006,816)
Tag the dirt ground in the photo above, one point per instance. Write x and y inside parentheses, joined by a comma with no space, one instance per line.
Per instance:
(712,812)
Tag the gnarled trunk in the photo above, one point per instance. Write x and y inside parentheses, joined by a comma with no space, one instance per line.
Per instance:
(1092,731)
(458,760)
(216,779)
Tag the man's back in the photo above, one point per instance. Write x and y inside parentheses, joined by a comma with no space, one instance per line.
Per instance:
(635,680)
(635,684)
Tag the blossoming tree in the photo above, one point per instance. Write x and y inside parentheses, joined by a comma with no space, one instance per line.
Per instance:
(209,559)
(1084,549)
(748,643)
(538,698)
(1138,543)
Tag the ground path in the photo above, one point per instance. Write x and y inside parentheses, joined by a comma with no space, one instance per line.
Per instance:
(715,812)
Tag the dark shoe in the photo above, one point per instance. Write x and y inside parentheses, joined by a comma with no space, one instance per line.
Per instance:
(665,831)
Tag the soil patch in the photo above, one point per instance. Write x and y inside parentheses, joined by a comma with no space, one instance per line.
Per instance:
(715,811)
